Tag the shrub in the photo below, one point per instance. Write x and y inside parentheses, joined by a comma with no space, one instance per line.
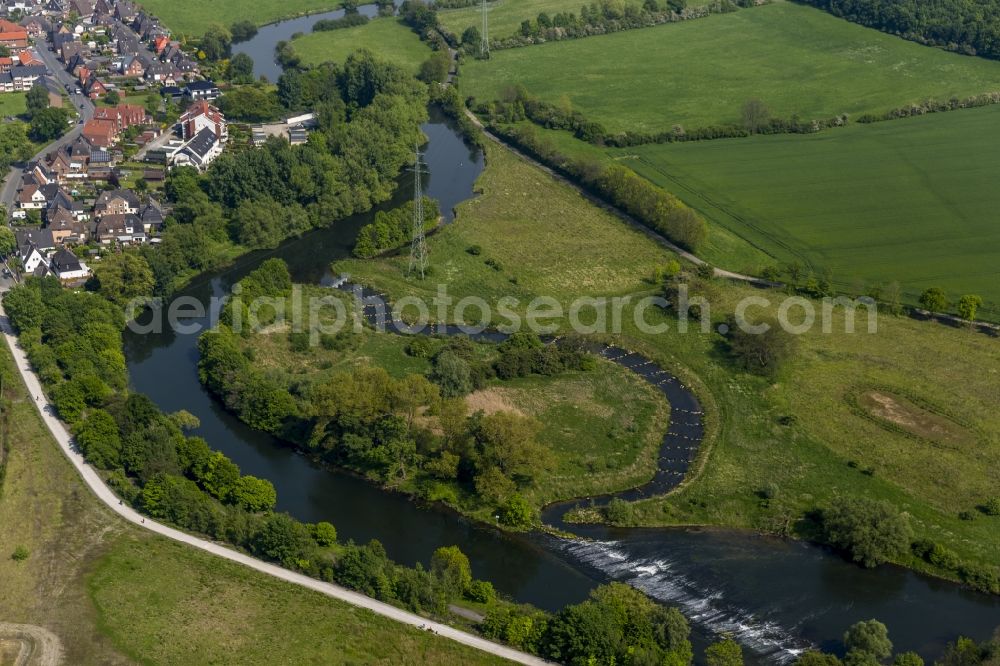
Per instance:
(20,554)
(618,511)
(298,341)
(419,347)
(516,512)
(475,250)
(324,533)
(992,506)
(871,532)
(481,591)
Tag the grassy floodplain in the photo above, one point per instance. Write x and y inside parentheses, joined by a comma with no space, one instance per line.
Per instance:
(193,17)
(796,59)
(601,427)
(387,37)
(911,200)
(115,594)
(802,431)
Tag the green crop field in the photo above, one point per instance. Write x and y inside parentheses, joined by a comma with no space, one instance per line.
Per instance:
(12,104)
(193,17)
(913,201)
(388,38)
(796,59)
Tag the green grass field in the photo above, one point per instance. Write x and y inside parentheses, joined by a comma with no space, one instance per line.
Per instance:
(193,17)
(752,441)
(798,60)
(505,16)
(12,104)
(115,594)
(387,37)
(545,238)
(912,200)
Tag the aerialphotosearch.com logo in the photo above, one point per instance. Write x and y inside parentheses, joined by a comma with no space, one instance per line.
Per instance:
(330,314)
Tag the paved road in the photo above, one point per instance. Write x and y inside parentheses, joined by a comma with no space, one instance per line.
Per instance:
(103,493)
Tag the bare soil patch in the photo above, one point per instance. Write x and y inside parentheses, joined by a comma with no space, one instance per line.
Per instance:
(912,418)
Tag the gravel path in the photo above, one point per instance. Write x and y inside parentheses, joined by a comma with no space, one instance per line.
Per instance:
(39,646)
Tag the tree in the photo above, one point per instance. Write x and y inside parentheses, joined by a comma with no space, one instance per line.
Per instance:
(325,534)
(152,103)
(451,568)
(908,659)
(15,146)
(253,494)
(36,100)
(282,539)
(99,440)
(242,31)
(968,306)
(816,658)
(726,652)
(435,68)
(112,98)
(125,276)
(755,115)
(869,637)
(8,242)
(872,532)
(516,512)
(241,68)
(452,374)
(506,441)
(48,124)
(216,43)
(472,38)
(934,300)
(762,353)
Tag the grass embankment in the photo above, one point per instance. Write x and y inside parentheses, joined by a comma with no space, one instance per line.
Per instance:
(115,594)
(911,200)
(798,60)
(193,17)
(388,38)
(13,104)
(602,427)
(801,432)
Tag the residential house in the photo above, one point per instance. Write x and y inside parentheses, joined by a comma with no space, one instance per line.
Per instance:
(32,246)
(160,43)
(6,83)
(24,77)
(68,267)
(31,197)
(125,229)
(12,35)
(173,93)
(66,168)
(199,152)
(94,88)
(122,115)
(125,11)
(100,133)
(151,216)
(132,67)
(160,72)
(116,202)
(29,58)
(65,228)
(201,90)
(6,62)
(83,8)
(200,115)
(36,26)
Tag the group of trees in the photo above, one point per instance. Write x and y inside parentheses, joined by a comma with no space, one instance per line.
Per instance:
(616,625)
(649,204)
(934,299)
(15,146)
(967,26)
(392,229)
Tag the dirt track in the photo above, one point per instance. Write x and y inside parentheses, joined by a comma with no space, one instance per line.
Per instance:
(39,646)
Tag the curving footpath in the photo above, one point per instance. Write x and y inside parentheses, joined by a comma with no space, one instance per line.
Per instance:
(97,486)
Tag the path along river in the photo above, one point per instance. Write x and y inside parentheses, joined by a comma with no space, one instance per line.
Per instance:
(776,597)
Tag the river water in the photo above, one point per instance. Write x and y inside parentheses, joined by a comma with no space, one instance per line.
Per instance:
(776,597)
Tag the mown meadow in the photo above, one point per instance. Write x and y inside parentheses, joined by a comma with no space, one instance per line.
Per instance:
(798,60)
(387,37)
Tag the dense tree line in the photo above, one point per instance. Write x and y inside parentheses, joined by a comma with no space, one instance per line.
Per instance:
(649,204)
(967,26)
(347,21)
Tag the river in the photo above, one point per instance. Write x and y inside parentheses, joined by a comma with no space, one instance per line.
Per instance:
(776,597)
(261,46)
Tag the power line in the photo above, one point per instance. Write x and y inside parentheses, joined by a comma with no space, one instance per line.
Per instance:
(418,246)
(484,44)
